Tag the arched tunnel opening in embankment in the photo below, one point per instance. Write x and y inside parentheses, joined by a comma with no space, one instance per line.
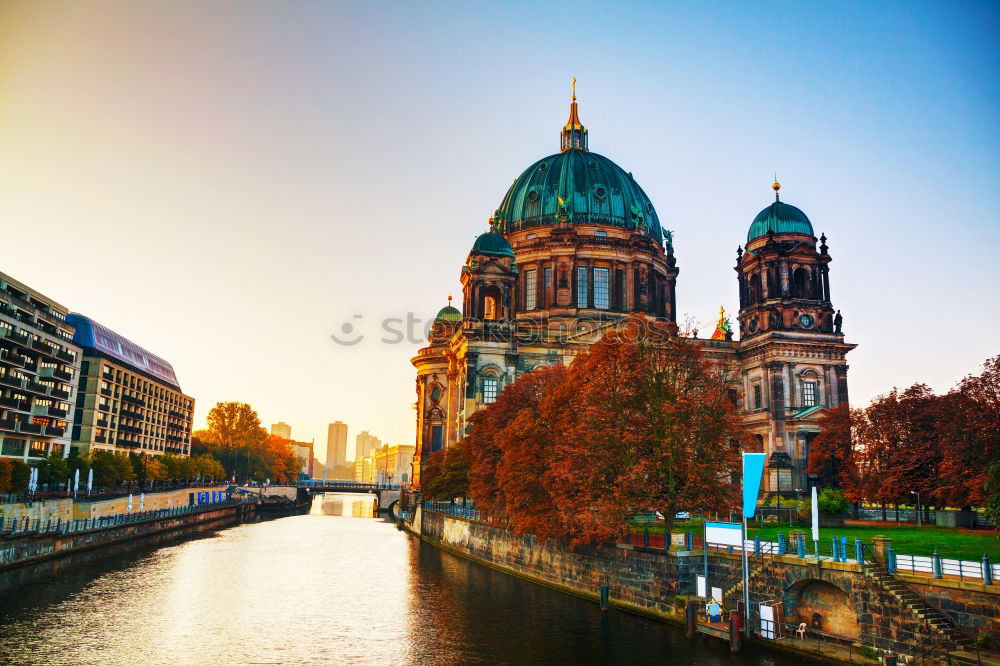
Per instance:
(823,606)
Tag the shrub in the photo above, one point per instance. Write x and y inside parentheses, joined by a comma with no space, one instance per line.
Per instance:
(832,501)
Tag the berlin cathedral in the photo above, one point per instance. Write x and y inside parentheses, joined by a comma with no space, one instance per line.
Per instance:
(574,248)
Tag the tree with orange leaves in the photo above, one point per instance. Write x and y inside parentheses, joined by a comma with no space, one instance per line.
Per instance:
(831,458)
(641,420)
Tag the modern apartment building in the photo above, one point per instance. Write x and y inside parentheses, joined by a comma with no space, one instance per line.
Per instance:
(39,365)
(336,448)
(282,430)
(365,445)
(129,400)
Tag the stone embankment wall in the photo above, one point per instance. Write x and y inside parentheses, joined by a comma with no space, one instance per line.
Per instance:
(67,509)
(849,599)
(31,557)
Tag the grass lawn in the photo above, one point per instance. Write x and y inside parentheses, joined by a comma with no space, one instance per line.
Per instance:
(950,542)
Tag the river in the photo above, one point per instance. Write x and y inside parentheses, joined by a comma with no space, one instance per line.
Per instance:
(321,589)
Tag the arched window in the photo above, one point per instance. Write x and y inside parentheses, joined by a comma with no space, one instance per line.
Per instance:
(489,308)
(801,287)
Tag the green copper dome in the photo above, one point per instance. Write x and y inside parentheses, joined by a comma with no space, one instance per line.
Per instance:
(585,187)
(780,218)
(493,244)
(448,314)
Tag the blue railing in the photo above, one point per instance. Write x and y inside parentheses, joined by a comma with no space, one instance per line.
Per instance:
(467,511)
(25,525)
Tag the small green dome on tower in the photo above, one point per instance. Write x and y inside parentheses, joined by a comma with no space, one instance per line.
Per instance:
(781,218)
(448,314)
(492,244)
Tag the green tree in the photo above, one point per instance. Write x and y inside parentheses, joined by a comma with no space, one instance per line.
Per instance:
(57,468)
(447,474)
(19,475)
(992,503)
(6,469)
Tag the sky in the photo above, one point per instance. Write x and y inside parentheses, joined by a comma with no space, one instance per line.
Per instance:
(228,184)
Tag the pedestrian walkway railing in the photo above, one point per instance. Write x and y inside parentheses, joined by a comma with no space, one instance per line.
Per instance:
(468,510)
(26,526)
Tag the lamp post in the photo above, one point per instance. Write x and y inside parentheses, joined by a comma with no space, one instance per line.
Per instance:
(919,521)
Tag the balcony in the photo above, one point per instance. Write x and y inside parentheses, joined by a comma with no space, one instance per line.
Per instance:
(10,403)
(43,347)
(20,301)
(16,382)
(106,392)
(129,414)
(8,424)
(34,387)
(59,394)
(52,431)
(12,335)
(48,316)
(66,356)
(13,359)
(101,439)
(101,423)
(55,373)
(57,412)
(29,428)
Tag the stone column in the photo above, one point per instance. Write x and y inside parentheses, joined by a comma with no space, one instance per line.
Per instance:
(841,371)
(881,544)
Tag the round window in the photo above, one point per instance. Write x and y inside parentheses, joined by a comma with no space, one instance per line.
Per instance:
(532,196)
(600,193)
(592,164)
(436,394)
(806,321)
(543,166)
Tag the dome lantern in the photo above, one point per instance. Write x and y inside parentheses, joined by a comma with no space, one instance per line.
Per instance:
(574,134)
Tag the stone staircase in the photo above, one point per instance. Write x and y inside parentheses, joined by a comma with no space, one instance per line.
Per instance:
(961,649)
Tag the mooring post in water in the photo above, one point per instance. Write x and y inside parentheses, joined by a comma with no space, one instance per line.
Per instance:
(689,618)
(605,591)
(735,640)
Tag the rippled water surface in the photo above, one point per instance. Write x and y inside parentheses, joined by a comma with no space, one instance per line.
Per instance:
(322,589)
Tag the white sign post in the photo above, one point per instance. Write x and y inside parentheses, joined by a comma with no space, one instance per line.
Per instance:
(815,521)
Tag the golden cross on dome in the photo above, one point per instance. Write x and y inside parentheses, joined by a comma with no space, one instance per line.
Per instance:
(574,88)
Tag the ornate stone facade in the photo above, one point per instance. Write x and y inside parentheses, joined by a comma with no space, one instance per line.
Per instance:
(574,248)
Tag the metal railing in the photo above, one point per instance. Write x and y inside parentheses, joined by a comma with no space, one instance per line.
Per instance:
(27,526)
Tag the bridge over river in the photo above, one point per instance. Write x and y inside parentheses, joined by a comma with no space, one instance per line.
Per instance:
(386,495)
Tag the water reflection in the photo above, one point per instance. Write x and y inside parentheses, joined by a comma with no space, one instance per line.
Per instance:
(322,589)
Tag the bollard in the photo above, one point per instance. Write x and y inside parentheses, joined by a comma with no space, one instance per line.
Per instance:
(645,537)
(59,524)
(890,559)
(689,618)
(756,545)
(690,540)
(801,546)
(605,591)
(987,570)
(859,552)
(48,525)
(735,639)
(782,547)
(937,564)
(38,524)
(834,551)
(729,550)
(843,549)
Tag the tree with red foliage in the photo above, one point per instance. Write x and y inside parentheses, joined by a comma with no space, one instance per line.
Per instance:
(641,420)
(831,458)
(652,426)
(488,430)
(897,447)
(969,426)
